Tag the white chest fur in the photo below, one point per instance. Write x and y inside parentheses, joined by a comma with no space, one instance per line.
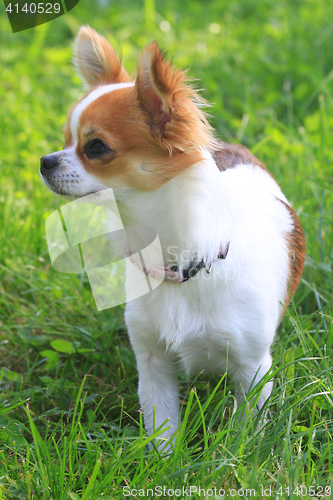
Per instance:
(229,316)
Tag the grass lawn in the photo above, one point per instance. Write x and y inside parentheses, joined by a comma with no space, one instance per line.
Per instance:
(70,422)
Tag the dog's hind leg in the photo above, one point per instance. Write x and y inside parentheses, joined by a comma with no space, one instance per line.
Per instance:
(247,377)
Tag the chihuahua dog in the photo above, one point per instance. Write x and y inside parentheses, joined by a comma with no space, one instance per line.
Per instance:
(233,247)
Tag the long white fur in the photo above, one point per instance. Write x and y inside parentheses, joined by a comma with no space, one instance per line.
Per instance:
(226,319)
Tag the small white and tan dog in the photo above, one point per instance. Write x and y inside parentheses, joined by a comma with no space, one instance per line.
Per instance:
(216,210)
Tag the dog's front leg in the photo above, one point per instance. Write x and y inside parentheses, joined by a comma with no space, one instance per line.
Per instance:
(158,393)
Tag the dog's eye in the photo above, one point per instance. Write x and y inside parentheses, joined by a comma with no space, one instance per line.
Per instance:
(95,148)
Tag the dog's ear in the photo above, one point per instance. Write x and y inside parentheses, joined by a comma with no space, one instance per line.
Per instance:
(156,84)
(96,61)
(170,104)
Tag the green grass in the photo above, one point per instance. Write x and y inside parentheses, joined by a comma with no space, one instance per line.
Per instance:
(70,422)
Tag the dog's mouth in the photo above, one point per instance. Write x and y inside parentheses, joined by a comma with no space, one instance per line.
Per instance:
(58,190)
(55,189)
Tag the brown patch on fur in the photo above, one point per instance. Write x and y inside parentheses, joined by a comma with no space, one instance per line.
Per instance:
(170,105)
(231,155)
(155,128)
(296,247)
(138,160)
(96,60)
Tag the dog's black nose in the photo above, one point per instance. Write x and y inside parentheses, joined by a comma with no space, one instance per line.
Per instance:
(48,162)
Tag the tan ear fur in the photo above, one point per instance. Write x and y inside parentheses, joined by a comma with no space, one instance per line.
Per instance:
(171,104)
(96,61)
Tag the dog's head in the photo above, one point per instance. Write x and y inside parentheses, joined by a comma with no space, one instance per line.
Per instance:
(126,133)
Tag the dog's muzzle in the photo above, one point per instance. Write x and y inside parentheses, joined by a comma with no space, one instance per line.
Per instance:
(48,163)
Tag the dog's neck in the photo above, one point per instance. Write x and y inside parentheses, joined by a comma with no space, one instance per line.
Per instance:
(186,212)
